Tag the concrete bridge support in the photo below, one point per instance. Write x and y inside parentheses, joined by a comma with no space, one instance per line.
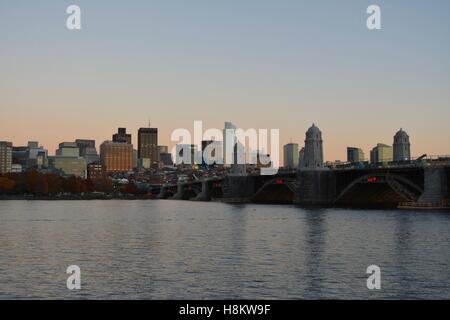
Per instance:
(436,186)
(205,194)
(238,188)
(179,195)
(315,187)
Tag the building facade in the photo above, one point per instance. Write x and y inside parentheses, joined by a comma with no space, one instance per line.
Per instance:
(5,157)
(116,157)
(148,144)
(355,155)
(381,153)
(402,146)
(87,150)
(122,136)
(313,155)
(291,155)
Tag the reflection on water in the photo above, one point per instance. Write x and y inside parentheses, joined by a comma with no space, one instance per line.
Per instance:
(190,250)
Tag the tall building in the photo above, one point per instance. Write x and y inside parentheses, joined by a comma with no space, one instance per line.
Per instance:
(67,159)
(5,157)
(355,155)
(229,146)
(116,156)
(37,155)
(381,153)
(301,158)
(20,156)
(88,150)
(313,157)
(148,144)
(402,147)
(291,155)
(122,136)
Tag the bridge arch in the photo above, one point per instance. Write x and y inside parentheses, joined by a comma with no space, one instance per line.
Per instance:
(277,190)
(375,187)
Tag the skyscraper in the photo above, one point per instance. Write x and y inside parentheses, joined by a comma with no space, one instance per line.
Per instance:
(291,155)
(122,136)
(313,158)
(402,146)
(148,144)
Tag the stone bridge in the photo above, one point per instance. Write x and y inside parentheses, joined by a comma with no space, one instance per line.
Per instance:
(378,187)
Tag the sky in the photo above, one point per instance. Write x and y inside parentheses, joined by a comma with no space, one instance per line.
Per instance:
(281,64)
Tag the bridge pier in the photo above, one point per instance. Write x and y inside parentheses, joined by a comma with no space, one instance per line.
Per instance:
(435,188)
(238,188)
(315,187)
(179,194)
(205,194)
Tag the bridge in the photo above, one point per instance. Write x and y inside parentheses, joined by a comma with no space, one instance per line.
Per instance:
(407,186)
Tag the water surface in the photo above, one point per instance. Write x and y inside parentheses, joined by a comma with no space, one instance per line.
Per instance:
(193,250)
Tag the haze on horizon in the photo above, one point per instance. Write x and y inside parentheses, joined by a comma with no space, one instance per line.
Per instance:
(274,64)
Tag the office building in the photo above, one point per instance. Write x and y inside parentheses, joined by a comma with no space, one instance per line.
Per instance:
(88,150)
(148,144)
(5,157)
(355,155)
(122,136)
(291,155)
(116,157)
(381,153)
(67,159)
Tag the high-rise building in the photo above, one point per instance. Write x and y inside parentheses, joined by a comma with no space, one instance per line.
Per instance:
(381,153)
(20,157)
(228,146)
(355,155)
(67,159)
(291,155)
(122,136)
(116,156)
(5,157)
(148,144)
(88,150)
(402,146)
(313,157)
(37,155)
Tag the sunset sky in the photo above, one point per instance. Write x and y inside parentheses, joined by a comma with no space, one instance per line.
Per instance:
(260,64)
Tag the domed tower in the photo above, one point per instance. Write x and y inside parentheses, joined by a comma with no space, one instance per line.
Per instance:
(313,156)
(402,147)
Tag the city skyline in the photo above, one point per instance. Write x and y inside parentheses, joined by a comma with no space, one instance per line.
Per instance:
(261,66)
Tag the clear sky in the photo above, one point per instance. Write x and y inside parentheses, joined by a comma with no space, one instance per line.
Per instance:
(258,63)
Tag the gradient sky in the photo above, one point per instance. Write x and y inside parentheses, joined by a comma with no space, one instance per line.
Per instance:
(261,64)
